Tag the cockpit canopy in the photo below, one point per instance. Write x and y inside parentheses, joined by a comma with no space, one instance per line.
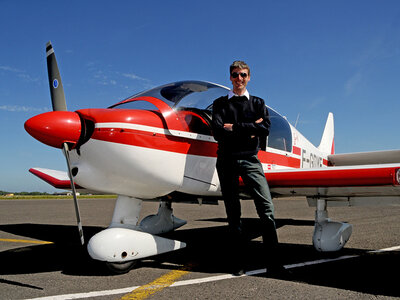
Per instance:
(200,95)
(181,94)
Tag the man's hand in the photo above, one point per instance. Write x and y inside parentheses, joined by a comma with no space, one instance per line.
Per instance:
(228,126)
(257,122)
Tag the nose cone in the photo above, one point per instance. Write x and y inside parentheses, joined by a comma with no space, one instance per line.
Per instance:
(55,128)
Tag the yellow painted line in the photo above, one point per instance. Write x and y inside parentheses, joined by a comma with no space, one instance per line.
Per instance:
(25,241)
(157,285)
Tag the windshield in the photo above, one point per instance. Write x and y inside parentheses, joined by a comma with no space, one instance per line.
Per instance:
(193,94)
(280,134)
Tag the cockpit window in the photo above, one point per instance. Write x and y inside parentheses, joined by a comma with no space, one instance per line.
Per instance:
(280,134)
(178,95)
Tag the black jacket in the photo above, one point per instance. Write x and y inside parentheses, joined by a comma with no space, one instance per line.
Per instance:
(247,136)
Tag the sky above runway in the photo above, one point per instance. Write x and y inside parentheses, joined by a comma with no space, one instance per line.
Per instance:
(307,58)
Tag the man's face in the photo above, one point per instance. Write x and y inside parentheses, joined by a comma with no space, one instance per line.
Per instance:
(239,78)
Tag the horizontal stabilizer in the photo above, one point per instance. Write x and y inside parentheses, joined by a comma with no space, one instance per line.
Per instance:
(58,179)
(365,158)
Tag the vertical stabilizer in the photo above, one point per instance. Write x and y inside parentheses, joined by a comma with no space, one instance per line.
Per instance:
(327,144)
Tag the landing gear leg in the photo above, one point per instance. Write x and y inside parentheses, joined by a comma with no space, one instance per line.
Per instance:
(164,221)
(126,212)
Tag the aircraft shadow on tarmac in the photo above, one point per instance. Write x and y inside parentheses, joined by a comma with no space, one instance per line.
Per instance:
(208,250)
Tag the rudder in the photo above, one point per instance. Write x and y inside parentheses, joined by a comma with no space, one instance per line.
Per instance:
(327,144)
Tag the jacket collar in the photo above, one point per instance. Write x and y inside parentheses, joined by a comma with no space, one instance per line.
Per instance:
(232,94)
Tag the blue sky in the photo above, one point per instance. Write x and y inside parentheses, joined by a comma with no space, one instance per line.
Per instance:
(308,58)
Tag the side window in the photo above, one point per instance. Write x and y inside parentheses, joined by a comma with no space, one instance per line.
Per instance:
(197,120)
(280,135)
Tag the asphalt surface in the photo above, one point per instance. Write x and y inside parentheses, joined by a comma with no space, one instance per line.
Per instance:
(29,269)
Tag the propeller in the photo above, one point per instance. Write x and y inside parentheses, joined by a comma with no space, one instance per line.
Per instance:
(56,87)
(59,104)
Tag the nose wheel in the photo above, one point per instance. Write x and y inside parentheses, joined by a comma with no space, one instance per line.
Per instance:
(121,268)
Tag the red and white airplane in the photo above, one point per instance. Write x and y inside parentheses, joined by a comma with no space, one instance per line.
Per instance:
(158,144)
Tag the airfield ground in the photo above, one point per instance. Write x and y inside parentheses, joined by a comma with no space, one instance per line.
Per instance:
(40,254)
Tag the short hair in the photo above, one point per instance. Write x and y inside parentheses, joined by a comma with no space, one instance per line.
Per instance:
(238,64)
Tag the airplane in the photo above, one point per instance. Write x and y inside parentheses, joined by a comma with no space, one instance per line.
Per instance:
(158,144)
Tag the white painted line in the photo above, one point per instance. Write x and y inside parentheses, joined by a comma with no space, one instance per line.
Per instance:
(256,272)
(321,261)
(88,294)
(207,279)
(395,248)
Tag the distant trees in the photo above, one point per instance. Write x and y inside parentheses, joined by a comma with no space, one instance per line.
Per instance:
(3,193)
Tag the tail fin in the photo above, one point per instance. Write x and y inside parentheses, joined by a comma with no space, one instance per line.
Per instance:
(327,144)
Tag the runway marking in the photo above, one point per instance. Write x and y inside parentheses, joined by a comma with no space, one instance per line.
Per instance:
(25,241)
(157,285)
(200,280)
(88,294)
(321,261)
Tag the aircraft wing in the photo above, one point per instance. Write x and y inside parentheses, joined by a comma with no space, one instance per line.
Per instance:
(57,179)
(349,185)
(353,184)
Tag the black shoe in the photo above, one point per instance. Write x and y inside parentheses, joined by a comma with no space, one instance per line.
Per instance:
(238,272)
(279,272)
(237,269)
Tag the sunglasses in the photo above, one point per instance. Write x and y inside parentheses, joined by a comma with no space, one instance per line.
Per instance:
(236,75)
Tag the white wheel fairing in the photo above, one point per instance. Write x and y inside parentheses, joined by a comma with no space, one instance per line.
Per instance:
(121,245)
(331,236)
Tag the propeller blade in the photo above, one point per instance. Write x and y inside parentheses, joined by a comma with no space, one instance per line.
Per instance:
(78,216)
(59,104)
(56,87)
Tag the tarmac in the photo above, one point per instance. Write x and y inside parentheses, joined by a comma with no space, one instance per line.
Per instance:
(41,256)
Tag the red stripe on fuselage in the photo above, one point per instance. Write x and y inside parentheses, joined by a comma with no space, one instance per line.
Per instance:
(296,150)
(192,123)
(279,159)
(156,141)
(182,145)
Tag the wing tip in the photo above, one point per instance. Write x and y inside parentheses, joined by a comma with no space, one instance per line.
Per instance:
(47,176)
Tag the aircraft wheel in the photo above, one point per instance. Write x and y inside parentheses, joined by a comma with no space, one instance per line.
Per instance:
(121,268)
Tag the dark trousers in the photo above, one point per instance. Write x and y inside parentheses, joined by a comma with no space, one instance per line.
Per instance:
(250,170)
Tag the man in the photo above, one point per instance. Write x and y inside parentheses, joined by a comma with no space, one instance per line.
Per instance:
(240,123)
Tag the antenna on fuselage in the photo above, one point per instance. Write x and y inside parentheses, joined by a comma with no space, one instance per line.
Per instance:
(297,120)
